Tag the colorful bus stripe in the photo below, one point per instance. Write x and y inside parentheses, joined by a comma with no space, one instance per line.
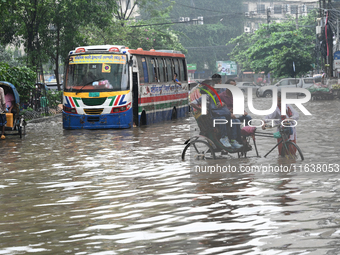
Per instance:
(101,94)
(75,99)
(116,102)
(112,100)
(71,101)
(154,99)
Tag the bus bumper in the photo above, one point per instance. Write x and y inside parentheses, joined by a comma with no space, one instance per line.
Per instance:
(113,120)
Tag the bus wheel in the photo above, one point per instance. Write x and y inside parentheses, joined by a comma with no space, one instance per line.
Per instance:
(174,114)
(143,118)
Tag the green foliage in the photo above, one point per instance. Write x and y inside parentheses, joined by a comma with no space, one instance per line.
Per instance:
(223,20)
(49,29)
(54,98)
(23,78)
(146,37)
(273,48)
(123,30)
(8,56)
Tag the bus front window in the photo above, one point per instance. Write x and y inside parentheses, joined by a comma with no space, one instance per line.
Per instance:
(96,76)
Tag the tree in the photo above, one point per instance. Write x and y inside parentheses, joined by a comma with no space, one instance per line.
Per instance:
(125,30)
(273,48)
(50,28)
(64,32)
(11,57)
(23,78)
(222,21)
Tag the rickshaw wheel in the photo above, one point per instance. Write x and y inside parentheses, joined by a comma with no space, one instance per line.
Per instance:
(199,150)
(20,131)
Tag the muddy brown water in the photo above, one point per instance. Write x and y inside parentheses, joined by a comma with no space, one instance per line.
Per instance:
(128,192)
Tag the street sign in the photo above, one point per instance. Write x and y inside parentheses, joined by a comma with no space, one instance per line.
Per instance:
(226,67)
(337,55)
(337,59)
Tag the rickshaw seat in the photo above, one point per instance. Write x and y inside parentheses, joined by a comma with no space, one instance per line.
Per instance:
(205,123)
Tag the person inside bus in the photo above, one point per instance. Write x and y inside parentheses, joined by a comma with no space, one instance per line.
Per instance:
(176,80)
(3,120)
(217,111)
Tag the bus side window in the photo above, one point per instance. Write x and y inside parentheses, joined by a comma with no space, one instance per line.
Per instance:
(182,70)
(160,69)
(156,70)
(143,70)
(151,69)
(166,76)
(177,70)
(169,68)
(140,68)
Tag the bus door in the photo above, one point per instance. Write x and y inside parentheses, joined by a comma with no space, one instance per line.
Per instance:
(135,98)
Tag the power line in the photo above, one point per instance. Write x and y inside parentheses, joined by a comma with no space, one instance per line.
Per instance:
(204,47)
(196,8)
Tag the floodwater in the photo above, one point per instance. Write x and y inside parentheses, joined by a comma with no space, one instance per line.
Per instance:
(128,192)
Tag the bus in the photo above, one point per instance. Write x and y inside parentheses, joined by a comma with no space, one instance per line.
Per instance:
(112,86)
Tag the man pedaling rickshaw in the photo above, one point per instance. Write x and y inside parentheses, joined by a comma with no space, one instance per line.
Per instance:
(217,111)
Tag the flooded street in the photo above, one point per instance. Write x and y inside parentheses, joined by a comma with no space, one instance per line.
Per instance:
(128,192)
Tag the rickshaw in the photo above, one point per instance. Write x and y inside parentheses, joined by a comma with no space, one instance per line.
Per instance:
(15,122)
(206,145)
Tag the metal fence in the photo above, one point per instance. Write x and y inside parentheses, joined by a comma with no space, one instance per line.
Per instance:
(42,102)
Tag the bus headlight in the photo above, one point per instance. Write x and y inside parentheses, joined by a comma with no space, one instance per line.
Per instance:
(69,110)
(121,108)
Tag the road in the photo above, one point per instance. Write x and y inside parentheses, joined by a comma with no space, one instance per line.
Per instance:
(128,192)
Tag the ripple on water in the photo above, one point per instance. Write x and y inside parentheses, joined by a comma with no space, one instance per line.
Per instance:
(128,192)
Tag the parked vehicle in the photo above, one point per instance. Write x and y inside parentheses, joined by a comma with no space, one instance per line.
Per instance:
(245,85)
(15,122)
(54,86)
(266,91)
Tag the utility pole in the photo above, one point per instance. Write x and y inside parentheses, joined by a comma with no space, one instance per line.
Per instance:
(297,20)
(268,15)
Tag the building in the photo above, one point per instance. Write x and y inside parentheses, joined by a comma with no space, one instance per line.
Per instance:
(261,12)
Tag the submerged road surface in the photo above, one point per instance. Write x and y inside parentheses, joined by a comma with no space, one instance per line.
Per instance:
(128,192)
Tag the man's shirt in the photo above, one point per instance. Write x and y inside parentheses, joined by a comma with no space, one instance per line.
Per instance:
(2,101)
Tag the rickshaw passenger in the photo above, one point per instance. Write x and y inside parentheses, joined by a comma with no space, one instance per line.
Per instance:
(227,100)
(3,120)
(217,111)
(10,100)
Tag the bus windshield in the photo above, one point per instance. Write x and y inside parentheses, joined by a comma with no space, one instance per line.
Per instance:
(99,72)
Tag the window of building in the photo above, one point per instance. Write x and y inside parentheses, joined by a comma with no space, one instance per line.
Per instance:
(294,9)
(310,8)
(245,8)
(277,9)
(261,9)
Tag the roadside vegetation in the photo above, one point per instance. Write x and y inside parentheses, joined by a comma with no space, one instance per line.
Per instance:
(276,46)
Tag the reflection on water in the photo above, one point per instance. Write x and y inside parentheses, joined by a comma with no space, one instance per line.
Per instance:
(128,192)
